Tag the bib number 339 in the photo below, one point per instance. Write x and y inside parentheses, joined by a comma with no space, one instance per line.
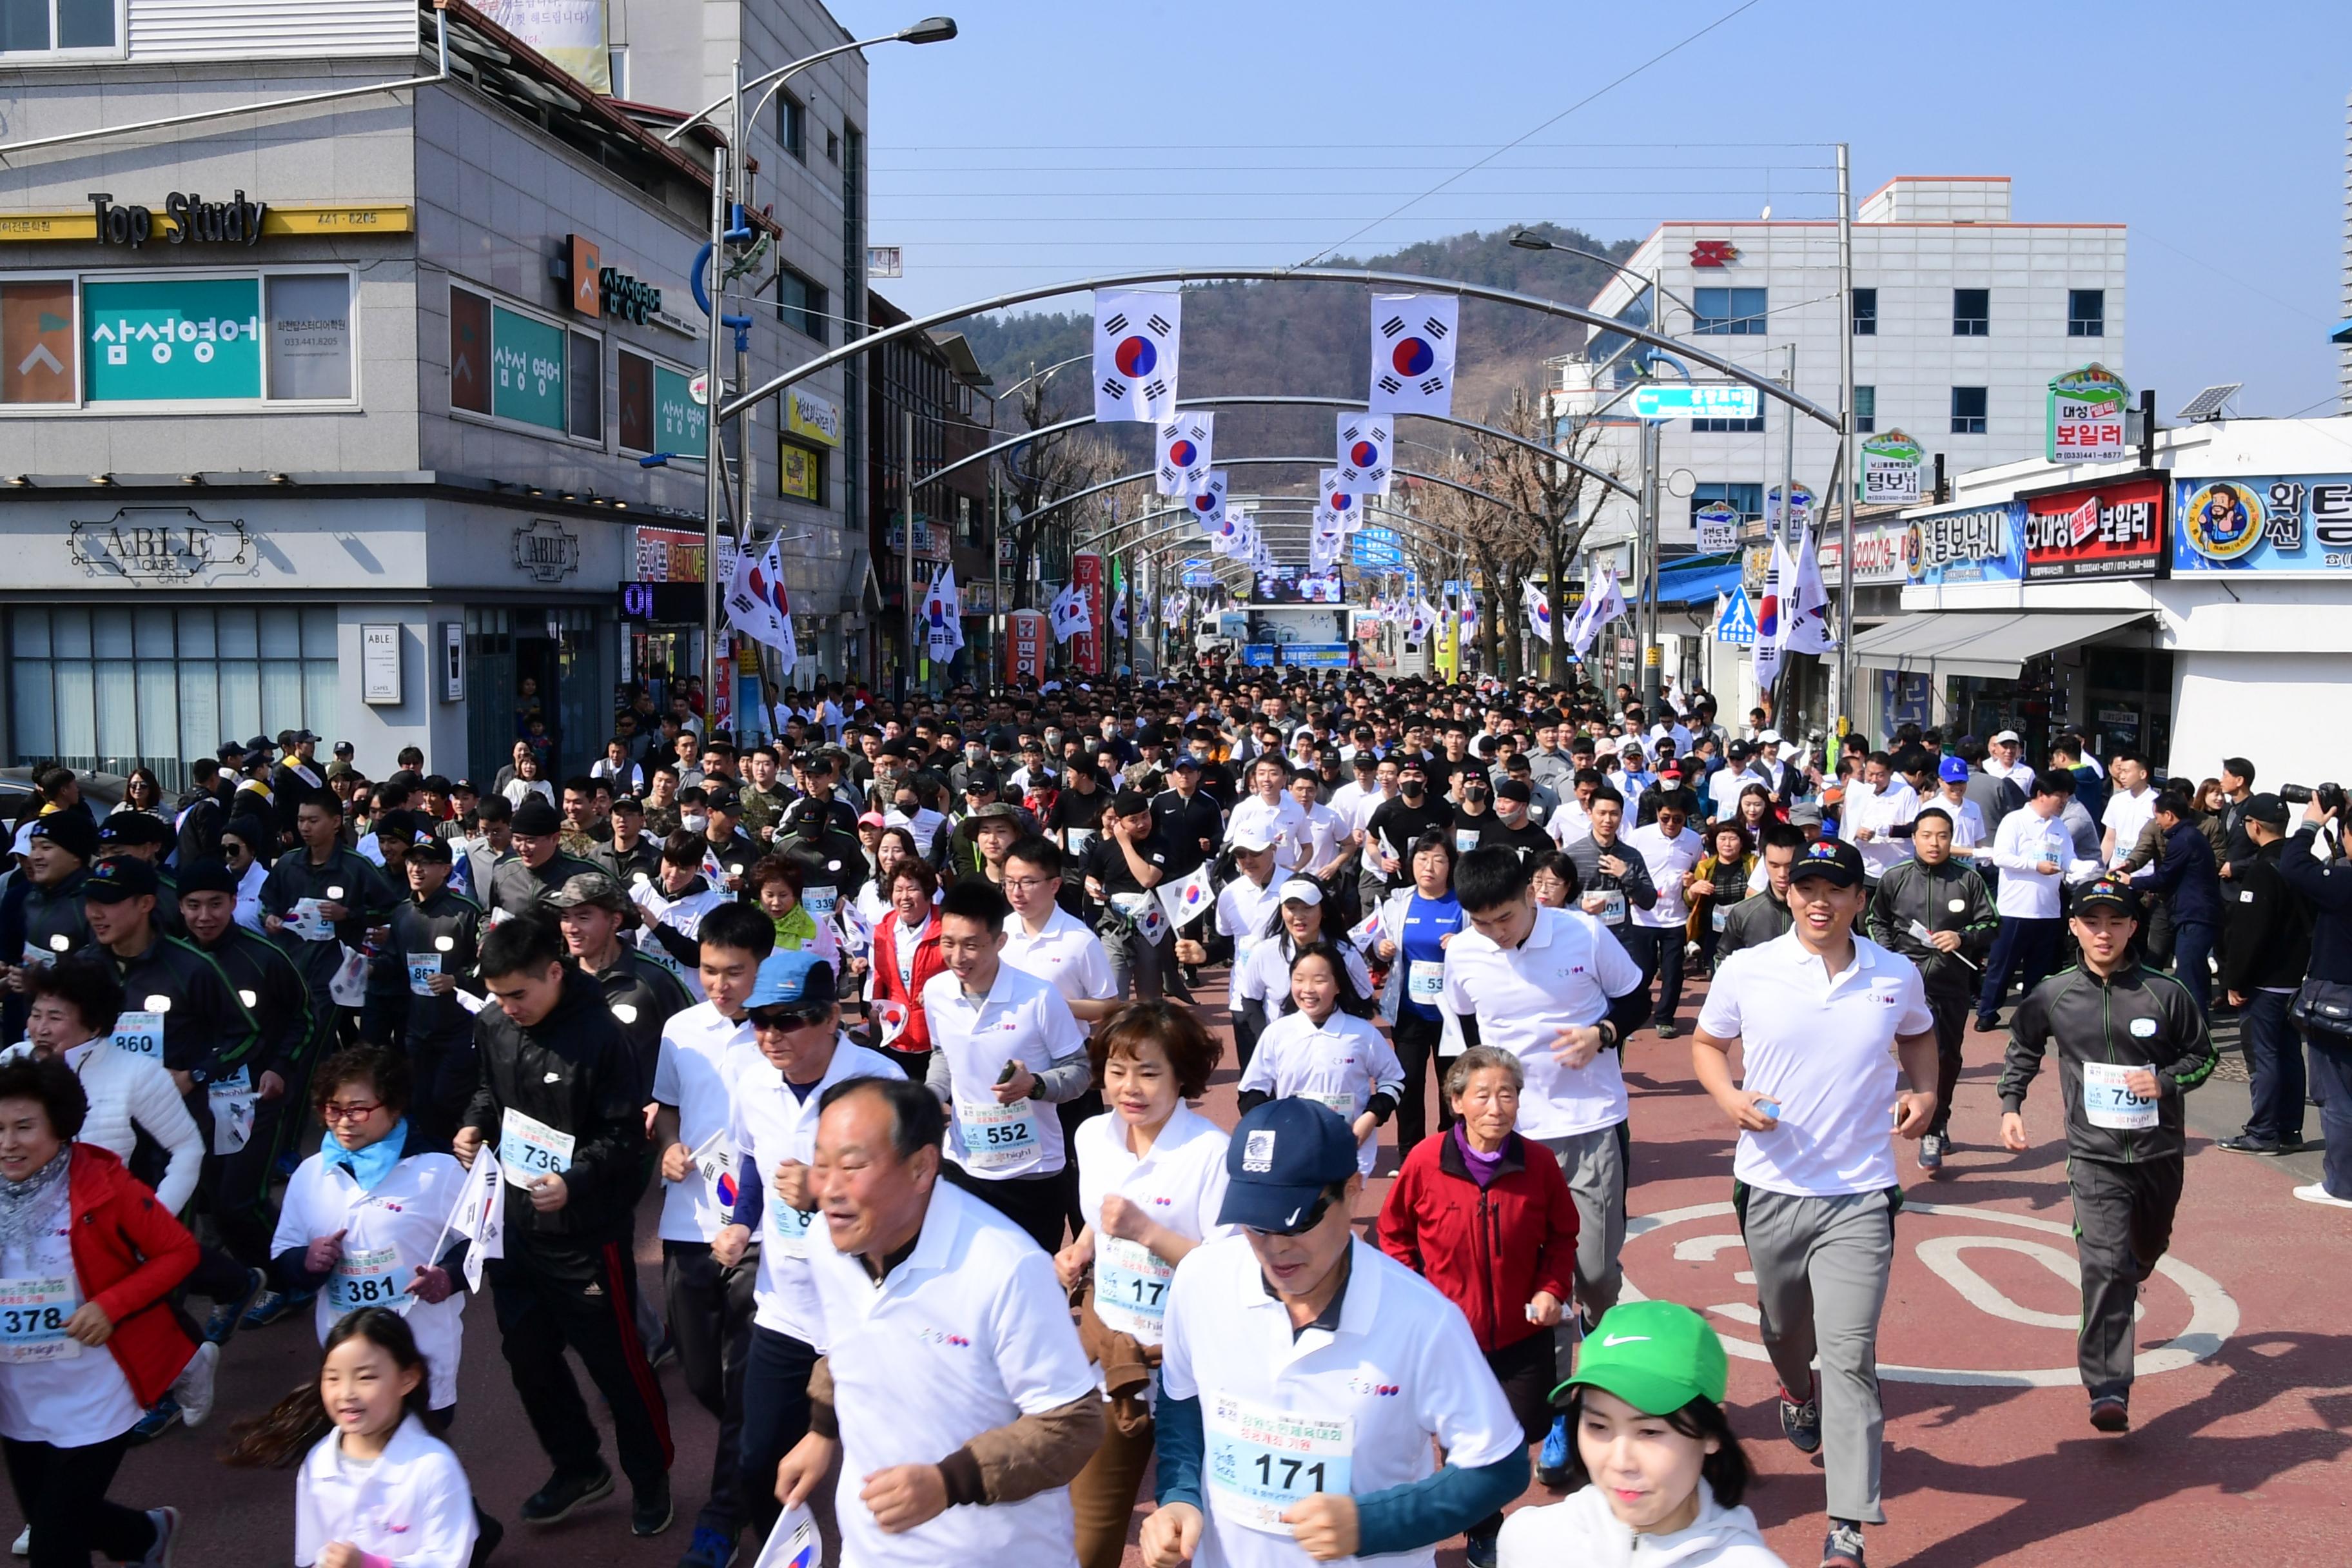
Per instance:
(1263,1460)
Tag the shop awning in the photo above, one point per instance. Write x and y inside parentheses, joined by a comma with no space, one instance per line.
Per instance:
(1698,581)
(1994,644)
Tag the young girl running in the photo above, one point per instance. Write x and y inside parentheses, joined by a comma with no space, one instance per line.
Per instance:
(377,1487)
(1322,1049)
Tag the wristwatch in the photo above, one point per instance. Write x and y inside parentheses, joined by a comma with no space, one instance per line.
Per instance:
(1608,1035)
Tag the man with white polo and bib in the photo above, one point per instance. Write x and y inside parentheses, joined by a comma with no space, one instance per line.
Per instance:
(1309,1380)
(1821,1014)
(1006,1050)
(2131,1045)
(1245,907)
(1558,991)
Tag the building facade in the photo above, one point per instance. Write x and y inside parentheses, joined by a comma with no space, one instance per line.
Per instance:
(360,402)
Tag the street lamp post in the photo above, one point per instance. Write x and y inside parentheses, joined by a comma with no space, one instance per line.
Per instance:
(723,167)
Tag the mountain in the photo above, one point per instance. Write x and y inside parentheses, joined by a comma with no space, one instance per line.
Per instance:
(1303,338)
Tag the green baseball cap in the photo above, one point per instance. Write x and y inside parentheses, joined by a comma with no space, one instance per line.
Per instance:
(1656,1356)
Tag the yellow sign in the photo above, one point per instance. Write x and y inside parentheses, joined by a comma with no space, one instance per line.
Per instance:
(320,218)
(800,472)
(812,417)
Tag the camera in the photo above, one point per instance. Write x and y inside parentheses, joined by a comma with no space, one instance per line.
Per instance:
(2330,796)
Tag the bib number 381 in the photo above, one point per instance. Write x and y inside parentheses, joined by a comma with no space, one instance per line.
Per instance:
(366,1276)
(1263,1460)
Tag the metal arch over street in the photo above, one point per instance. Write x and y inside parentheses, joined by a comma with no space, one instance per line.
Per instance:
(1237,463)
(1401,281)
(1423,531)
(1290,400)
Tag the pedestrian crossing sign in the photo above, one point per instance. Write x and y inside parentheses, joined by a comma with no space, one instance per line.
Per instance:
(1734,619)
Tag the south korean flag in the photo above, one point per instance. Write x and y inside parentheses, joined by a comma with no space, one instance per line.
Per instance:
(1367,447)
(1135,355)
(1207,502)
(1413,353)
(1184,444)
(1338,509)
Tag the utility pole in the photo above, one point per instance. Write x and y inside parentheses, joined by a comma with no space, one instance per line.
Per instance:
(906,516)
(996,574)
(714,452)
(1842,703)
(1646,568)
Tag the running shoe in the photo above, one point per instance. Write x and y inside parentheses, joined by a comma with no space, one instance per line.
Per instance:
(166,1521)
(708,1549)
(563,1493)
(277,1304)
(1551,1465)
(1987,1025)
(1669,1029)
(1843,1547)
(2245,1143)
(193,1387)
(1479,1551)
(2318,1193)
(23,1545)
(161,1417)
(2111,1413)
(1931,1151)
(1800,1421)
(651,1513)
(227,1315)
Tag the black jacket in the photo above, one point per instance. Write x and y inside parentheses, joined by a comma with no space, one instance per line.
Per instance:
(418,929)
(207,1032)
(575,1071)
(263,974)
(519,888)
(2137,1018)
(1945,898)
(2267,927)
(644,997)
(1754,920)
(2326,886)
(365,892)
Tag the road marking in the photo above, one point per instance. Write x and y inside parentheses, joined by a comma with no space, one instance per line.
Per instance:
(2213,1312)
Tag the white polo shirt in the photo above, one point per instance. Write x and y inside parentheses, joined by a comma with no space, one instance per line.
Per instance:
(1563,975)
(1823,1048)
(701,1051)
(773,1126)
(1879,811)
(1341,1064)
(1066,955)
(1244,912)
(1318,835)
(1267,976)
(1180,1183)
(1021,1019)
(971,1333)
(2126,815)
(1280,823)
(1667,859)
(1356,1406)
(2024,841)
(1570,823)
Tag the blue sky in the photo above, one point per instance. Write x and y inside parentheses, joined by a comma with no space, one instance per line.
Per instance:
(1057,139)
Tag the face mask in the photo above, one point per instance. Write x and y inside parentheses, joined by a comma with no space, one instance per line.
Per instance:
(694,822)
(1410,788)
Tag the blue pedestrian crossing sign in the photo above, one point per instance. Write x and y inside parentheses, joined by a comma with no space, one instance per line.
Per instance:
(1734,619)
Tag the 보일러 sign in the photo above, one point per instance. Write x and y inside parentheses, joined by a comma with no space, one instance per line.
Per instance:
(2115,530)
(1966,544)
(2281,523)
(1890,470)
(170,338)
(2086,416)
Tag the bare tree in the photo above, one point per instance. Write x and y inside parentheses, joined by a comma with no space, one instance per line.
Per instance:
(1042,470)
(1499,540)
(1549,493)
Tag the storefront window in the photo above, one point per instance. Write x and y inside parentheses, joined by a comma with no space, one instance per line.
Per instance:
(113,687)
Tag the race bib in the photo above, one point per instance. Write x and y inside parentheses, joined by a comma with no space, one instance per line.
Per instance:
(421,972)
(1263,1460)
(1424,980)
(140,1034)
(307,922)
(1131,1286)
(530,1149)
(788,1227)
(33,1317)
(2108,1104)
(1465,839)
(1722,917)
(231,1101)
(365,1277)
(1612,907)
(996,1137)
(1343,1103)
(820,901)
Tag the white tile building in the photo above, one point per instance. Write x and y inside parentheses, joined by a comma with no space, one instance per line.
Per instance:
(1962,317)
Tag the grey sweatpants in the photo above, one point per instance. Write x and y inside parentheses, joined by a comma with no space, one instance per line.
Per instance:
(2123,1224)
(1595,1164)
(1820,1279)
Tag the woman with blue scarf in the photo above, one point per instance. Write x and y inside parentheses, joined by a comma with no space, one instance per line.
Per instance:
(365,1222)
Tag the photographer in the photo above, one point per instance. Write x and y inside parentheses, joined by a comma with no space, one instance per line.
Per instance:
(2323,1007)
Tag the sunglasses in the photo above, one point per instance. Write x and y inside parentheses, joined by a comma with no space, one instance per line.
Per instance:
(1307,1222)
(788,1019)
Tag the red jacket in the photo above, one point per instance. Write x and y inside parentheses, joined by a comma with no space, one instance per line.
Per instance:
(128,1252)
(1489,1251)
(927,963)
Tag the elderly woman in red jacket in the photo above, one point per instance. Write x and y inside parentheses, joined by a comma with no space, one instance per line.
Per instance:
(1495,1230)
(87,1341)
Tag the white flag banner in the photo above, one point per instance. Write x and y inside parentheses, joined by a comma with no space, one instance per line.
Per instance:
(1807,605)
(1597,611)
(480,1216)
(1338,508)
(1323,552)
(1539,612)
(1413,353)
(1135,337)
(1771,616)
(1119,613)
(1367,447)
(1207,501)
(1185,447)
(757,603)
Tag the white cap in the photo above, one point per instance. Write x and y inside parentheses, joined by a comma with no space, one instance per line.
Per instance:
(1253,838)
(2008,738)
(1299,890)
(1768,738)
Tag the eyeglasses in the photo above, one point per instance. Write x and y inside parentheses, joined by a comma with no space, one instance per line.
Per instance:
(788,1019)
(1308,1221)
(1028,884)
(332,1111)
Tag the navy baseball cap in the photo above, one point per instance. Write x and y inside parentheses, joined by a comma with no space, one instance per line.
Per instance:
(1282,1157)
(792,978)
(2108,892)
(119,880)
(1832,857)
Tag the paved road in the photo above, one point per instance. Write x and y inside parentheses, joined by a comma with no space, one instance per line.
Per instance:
(2242,1417)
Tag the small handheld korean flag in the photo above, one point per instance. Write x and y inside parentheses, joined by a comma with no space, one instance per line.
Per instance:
(1368,933)
(856,931)
(1151,925)
(1413,353)
(1338,507)
(794,1543)
(1367,447)
(481,1215)
(889,1021)
(1184,446)
(1186,897)
(1135,337)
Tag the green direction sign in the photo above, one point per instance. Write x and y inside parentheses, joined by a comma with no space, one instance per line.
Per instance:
(680,424)
(527,355)
(1696,399)
(173,338)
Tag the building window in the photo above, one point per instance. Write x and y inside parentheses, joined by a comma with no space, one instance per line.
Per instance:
(2086,313)
(800,471)
(285,338)
(586,370)
(1746,499)
(617,61)
(832,147)
(967,523)
(657,411)
(1865,312)
(1731,427)
(112,688)
(1972,312)
(517,368)
(54,27)
(1865,410)
(1737,312)
(800,305)
(792,125)
(1968,411)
